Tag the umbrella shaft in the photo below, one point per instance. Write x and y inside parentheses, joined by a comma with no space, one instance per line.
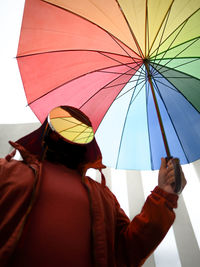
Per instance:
(158,111)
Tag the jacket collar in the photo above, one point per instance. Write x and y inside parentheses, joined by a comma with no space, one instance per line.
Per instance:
(31,149)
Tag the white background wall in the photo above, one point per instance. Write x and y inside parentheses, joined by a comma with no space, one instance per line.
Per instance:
(181,245)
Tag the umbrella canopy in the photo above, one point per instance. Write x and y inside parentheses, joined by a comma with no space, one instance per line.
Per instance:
(131,66)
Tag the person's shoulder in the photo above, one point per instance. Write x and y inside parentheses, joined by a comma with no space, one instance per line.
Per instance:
(15,173)
(92,181)
(101,187)
(7,164)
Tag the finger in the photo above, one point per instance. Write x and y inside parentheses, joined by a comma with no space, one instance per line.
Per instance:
(184,181)
(170,168)
(163,163)
(171,180)
(170,172)
(170,164)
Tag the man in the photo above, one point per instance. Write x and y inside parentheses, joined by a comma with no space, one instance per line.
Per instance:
(51,214)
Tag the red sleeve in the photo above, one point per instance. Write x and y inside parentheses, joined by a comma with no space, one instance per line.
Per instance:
(17,184)
(139,238)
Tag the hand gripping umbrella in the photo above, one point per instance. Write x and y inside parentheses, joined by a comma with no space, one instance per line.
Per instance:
(131,66)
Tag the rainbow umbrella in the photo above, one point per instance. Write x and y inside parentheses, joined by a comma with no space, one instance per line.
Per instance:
(131,66)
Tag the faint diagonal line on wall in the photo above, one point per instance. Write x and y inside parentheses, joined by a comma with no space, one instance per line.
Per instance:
(185,237)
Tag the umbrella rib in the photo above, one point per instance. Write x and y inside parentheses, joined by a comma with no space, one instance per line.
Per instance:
(174,77)
(76,123)
(71,50)
(133,35)
(182,25)
(125,83)
(157,89)
(123,129)
(89,137)
(133,99)
(128,74)
(176,56)
(69,82)
(165,52)
(114,72)
(151,154)
(124,64)
(166,21)
(169,69)
(176,46)
(172,88)
(141,81)
(146,29)
(164,28)
(181,28)
(75,138)
(115,40)
(183,64)
(102,53)
(177,90)
(72,131)
(111,104)
(84,137)
(174,68)
(74,126)
(92,22)
(105,86)
(71,128)
(66,119)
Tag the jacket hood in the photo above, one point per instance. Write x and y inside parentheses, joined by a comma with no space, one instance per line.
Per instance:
(33,143)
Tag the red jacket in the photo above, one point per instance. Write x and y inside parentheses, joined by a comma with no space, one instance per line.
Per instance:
(116,240)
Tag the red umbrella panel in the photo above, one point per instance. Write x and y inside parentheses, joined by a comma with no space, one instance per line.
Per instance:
(54,70)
